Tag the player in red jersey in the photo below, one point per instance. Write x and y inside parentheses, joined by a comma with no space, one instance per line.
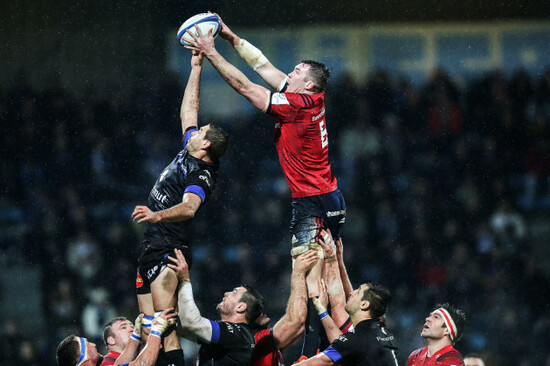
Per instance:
(301,141)
(442,329)
(116,335)
(78,351)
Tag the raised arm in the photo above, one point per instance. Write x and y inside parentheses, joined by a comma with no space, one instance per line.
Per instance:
(148,356)
(333,280)
(256,94)
(180,212)
(291,325)
(254,58)
(189,110)
(331,329)
(346,283)
(195,327)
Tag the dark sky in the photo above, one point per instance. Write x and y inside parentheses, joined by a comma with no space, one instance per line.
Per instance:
(112,34)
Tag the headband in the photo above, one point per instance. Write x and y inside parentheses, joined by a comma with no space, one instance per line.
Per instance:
(83,357)
(448,321)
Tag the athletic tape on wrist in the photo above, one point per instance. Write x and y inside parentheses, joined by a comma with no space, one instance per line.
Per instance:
(448,321)
(155,333)
(147,321)
(135,337)
(323,315)
(319,306)
(250,54)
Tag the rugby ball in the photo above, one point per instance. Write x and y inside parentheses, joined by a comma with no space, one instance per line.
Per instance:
(205,22)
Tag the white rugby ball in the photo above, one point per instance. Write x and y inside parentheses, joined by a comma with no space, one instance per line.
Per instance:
(205,22)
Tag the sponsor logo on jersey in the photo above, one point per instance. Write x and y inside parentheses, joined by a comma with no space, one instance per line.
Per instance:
(315,118)
(335,213)
(342,338)
(205,178)
(139,281)
(230,327)
(151,272)
(162,198)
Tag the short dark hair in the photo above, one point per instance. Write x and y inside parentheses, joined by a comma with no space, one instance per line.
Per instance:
(107,329)
(379,298)
(218,142)
(67,351)
(254,303)
(318,73)
(459,318)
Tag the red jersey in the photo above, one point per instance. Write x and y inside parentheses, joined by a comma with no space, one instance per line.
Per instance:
(110,358)
(265,353)
(447,356)
(301,141)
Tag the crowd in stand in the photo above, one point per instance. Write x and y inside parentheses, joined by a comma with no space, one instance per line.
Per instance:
(440,181)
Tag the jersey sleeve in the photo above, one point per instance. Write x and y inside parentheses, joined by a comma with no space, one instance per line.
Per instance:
(347,326)
(225,334)
(452,358)
(200,183)
(265,344)
(413,356)
(188,133)
(341,348)
(285,106)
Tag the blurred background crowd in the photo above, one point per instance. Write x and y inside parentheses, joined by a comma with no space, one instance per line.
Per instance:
(447,186)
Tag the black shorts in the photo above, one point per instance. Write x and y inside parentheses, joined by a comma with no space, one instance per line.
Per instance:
(310,215)
(154,258)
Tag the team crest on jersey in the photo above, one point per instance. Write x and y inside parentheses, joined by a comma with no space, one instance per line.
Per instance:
(139,281)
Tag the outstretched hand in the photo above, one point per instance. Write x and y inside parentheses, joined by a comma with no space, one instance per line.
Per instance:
(180,267)
(225,32)
(143,213)
(200,43)
(163,321)
(339,248)
(305,261)
(327,243)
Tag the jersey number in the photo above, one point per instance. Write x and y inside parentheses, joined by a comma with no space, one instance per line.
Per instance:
(324,135)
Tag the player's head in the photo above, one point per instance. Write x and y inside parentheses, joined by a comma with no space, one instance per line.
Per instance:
(117,333)
(254,303)
(77,351)
(243,300)
(445,322)
(218,142)
(473,359)
(308,75)
(371,298)
(210,139)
